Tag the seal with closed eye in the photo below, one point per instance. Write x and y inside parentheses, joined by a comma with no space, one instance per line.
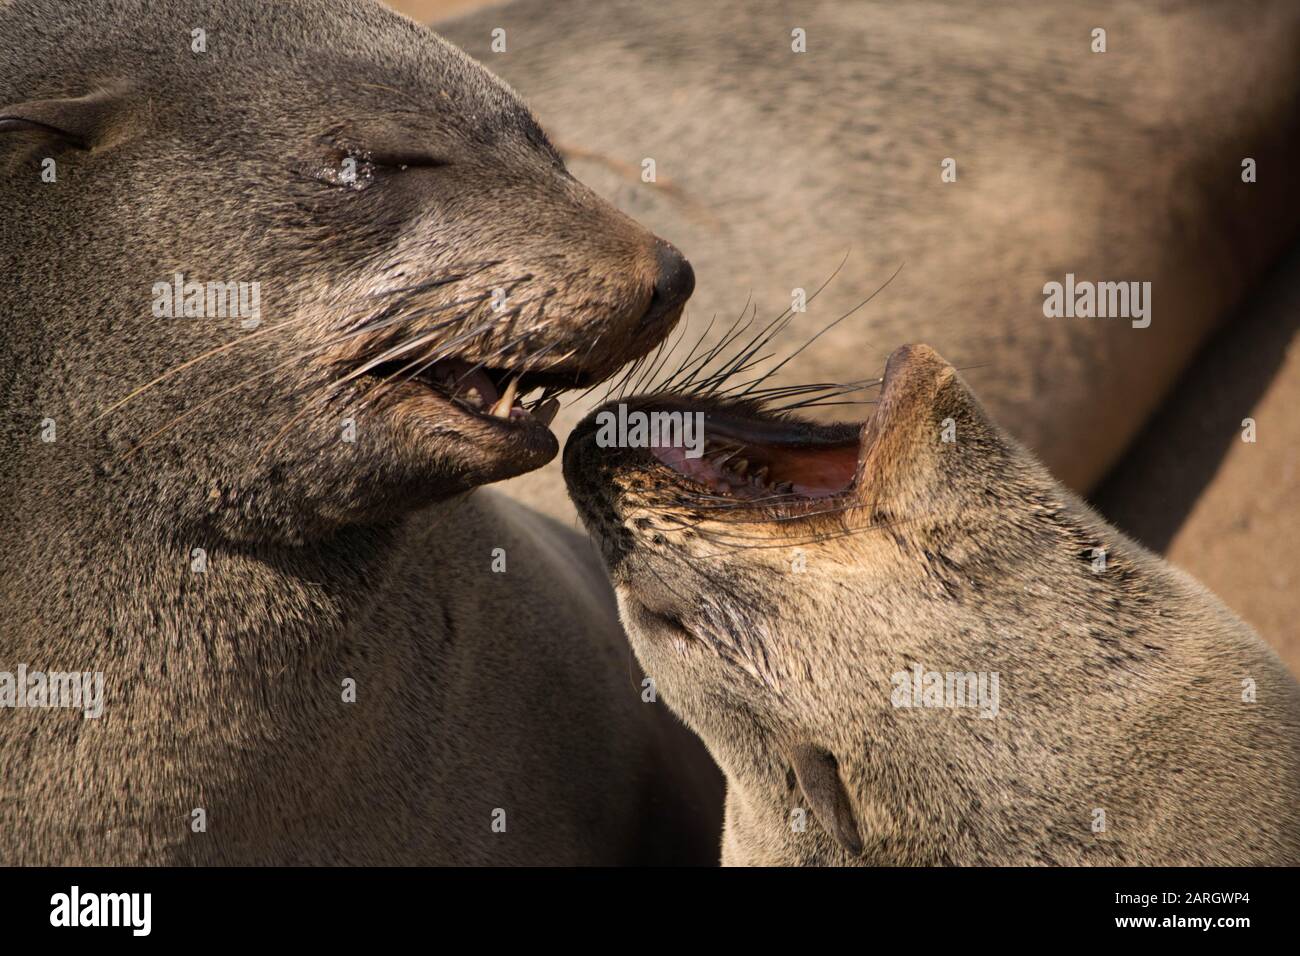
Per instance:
(281,284)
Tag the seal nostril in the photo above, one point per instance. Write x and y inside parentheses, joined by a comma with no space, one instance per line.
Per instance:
(674,282)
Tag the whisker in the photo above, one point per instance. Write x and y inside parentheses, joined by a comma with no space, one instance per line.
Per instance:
(330,344)
(832,325)
(191,362)
(279,327)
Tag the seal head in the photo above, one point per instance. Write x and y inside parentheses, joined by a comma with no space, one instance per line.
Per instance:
(294,266)
(791,588)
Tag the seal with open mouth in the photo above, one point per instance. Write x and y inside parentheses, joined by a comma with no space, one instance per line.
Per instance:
(280,283)
(906,643)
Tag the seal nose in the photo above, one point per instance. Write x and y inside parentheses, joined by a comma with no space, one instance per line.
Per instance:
(674,283)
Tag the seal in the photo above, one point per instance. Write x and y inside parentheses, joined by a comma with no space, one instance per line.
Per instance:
(905,642)
(281,284)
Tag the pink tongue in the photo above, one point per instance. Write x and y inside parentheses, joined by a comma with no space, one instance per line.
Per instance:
(675,458)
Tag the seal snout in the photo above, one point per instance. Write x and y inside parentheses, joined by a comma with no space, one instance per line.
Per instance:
(674,283)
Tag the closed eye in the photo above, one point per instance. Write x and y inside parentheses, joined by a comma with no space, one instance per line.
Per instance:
(405,159)
(357,168)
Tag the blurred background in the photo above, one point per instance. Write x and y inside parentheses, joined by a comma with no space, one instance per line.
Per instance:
(429,10)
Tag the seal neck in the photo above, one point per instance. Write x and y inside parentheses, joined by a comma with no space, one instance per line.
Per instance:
(99,586)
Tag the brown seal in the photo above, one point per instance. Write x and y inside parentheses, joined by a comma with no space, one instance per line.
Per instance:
(281,283)
(905,642)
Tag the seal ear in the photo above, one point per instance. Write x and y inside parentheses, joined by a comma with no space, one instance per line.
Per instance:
(929,443)
(83,121)
(818,775)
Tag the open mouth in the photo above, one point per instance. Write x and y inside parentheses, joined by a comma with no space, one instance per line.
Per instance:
(758,459)
(501,395)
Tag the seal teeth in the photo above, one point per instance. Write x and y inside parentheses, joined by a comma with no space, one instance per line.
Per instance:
(502,408)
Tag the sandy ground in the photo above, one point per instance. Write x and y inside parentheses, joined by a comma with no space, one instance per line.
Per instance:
(1226,510)
(427,11)
(1190,488)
